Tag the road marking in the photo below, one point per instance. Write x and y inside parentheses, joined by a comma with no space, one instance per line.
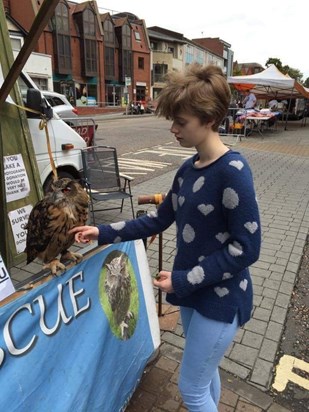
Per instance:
(140,167)
(143,167)
(168,151)
(285,373)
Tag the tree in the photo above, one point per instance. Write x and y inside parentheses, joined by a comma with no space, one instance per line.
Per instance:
(273,60)
(306,82)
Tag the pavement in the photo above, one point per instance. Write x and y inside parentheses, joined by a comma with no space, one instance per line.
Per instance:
(280,165)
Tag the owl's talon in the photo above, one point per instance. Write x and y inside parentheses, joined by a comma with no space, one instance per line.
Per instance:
(123,327)
(54,265)
(73,256)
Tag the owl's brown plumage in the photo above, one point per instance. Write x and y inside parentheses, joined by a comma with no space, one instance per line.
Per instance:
(65,207)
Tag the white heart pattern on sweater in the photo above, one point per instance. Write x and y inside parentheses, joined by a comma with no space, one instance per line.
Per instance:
(221,291)
(188,233)
(237,163)
(222,237)
(118,225)
(174,201)
(251,227)
(196,275)
(243,284)
(235,249)
(198,184)
(205,209)
(181,200)
(230,198)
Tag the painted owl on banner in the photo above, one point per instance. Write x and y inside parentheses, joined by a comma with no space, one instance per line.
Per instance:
(51,219)
(118,289)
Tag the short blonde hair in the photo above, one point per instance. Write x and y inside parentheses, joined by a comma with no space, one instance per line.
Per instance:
(201,91)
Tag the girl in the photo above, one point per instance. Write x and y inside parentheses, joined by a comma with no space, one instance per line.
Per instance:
(212,201)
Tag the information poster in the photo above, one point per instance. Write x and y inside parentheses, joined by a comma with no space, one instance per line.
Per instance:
(16,179)
(18,219)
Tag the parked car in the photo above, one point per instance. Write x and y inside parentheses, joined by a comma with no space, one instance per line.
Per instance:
(84,126)
(61,105)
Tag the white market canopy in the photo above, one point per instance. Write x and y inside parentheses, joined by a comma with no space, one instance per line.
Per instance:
(270,83)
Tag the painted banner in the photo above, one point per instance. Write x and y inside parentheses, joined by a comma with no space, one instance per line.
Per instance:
(81,341)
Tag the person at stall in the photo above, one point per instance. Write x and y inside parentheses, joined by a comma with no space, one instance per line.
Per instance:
(213,203)
(249,101)
(273,104)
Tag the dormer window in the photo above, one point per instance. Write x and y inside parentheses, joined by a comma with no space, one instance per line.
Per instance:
(90,43)
(109,33)
(126,37)
(63,40)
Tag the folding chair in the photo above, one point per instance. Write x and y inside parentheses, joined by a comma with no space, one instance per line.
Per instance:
(102,178)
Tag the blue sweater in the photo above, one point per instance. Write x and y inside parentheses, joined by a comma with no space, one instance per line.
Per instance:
(218,236)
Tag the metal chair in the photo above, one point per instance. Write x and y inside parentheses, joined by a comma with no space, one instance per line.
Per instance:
(102,178)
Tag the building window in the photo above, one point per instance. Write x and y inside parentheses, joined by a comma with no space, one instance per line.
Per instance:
(63,39)
(141,62)
(173,50)
(189,57)
(42,83)
(137,36)
(159,72)
(16,42)
(140,93)
(126,37)
(109,62)
(109,33)
(154,46)
(127,63)
(90,43)
(90,47)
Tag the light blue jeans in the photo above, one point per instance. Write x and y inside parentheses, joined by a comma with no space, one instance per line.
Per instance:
(206,342)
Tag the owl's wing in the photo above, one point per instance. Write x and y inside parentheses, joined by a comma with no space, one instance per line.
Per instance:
(38,235)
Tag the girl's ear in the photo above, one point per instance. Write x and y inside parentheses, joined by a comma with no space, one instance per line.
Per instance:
(209,125)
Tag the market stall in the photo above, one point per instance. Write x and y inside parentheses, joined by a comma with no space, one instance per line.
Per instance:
(270,84)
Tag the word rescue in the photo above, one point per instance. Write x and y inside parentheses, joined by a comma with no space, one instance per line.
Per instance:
(67,309)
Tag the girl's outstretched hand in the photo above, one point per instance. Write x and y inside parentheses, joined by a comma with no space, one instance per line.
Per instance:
(84,234)
(164,281)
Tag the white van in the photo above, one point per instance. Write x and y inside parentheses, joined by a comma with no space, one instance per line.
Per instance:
(65,142)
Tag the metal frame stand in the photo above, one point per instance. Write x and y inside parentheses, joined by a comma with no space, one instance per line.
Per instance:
(168,323)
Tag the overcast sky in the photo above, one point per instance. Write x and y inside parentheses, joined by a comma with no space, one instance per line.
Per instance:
(256,30)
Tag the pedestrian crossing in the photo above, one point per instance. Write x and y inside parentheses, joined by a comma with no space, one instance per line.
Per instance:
(139,166)
(138,163)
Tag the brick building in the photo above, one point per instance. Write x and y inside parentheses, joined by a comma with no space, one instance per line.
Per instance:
(97,60)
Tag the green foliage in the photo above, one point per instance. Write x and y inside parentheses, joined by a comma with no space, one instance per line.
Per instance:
(306,82)
(275,61)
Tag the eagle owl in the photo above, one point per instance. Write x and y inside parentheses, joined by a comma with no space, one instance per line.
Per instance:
(118,289)
(51,219)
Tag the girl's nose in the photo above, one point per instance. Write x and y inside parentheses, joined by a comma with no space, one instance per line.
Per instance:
(173,129)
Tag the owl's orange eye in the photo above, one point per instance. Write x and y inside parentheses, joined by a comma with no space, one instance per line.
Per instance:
(66,189)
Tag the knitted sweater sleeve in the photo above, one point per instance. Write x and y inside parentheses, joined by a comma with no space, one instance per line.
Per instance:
(241,245)
(140,228)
